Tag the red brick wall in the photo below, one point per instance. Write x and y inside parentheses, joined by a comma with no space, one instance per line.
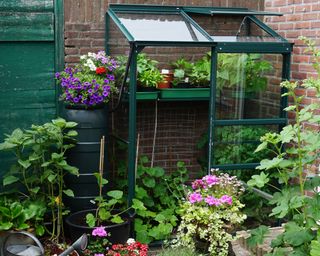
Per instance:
(180,124)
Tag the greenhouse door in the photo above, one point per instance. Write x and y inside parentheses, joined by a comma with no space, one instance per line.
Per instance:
(31,49)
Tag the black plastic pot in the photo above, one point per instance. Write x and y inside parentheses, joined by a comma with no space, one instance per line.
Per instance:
(77,226)
(92,125)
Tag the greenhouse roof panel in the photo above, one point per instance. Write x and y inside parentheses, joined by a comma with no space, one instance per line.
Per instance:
(161,27)
(183,25)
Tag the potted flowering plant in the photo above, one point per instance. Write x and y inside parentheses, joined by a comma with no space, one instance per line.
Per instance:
(90,83)
(130,248)
(85,90)
(209,212)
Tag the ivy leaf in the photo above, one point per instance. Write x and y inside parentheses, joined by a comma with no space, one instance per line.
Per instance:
(9,180)
(141,192)
(35,190)
(258,180)
(40,230)
(104,214)
(257,235)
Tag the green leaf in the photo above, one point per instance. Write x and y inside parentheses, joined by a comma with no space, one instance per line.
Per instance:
(267,164)
(290,108)
(258,180)
(116,194)
(71,124)
(140,192)
(25,164)
(52,177)
(295,235)
(257,236)
(90,220)
(16,209)
(60,122)
(56,156)
(5,225)
(160,218)
(9,180)
(40,230)
(72,133)
(158,172)
(287,134)
(68,192)
(104,214)
(138,205)
(117,219)
(71,169)
(261,147)
(35,190)
(315,248)
(149,182)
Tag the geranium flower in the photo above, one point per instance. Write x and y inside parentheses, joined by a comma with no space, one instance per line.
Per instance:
(101,70)
(195,197)
(211,200)
(211,180)
(99,231)
(226,199)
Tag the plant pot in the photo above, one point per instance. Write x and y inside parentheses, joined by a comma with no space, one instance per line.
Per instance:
(76,224)
(164,85)
(167,80)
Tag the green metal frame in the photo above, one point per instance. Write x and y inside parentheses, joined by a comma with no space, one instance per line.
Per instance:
(279,46)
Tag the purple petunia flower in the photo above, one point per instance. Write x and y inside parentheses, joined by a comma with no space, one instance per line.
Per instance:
(195,197)
(105,93)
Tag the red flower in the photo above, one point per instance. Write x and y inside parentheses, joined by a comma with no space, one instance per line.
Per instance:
(100,70)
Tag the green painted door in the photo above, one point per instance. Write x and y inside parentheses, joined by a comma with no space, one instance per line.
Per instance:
(29,55)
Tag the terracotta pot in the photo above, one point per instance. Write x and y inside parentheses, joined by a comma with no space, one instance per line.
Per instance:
(167,80)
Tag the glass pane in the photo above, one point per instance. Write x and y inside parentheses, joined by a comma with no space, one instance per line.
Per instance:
(160,27)
(236,144)
(231,28)
(248,86)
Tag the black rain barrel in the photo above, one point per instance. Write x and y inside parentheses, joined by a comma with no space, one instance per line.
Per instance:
(92,125)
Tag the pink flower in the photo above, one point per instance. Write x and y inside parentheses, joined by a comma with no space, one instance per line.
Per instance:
(98,254)
(195,197)
(211,180)
(210,200)
(226,199)
(99,231)
(197,184)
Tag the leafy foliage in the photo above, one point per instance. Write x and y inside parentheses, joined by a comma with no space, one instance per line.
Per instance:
(159,195)
(40,165)
(295,147)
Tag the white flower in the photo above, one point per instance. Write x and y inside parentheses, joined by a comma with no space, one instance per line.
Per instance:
(82,57)
(92,55)
(91,65)
(131,241)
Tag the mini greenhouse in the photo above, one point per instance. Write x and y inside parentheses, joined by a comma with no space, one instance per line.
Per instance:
(247,61)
